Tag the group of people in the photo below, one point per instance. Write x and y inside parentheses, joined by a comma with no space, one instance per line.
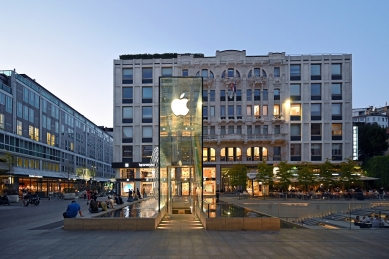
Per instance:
(375,221)
(134,196)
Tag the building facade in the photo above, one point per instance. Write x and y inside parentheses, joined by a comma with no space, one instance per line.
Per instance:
(276,107)
(51,145)
(371,115)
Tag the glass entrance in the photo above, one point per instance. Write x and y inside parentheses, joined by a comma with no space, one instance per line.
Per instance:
(181,191)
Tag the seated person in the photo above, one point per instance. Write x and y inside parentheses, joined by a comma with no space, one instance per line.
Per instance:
(72,210)
(385,222)
(110,202)
(120,199)
(376,223)
(365,220)
(357,221)
(94,206)
(103,206)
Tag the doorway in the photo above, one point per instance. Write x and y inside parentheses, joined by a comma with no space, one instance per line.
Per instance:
(181,189)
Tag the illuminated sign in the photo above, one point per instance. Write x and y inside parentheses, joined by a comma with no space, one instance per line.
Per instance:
(35,176)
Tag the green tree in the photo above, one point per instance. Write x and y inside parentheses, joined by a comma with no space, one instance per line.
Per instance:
(305,174)
(378,167)
(238,176)
(265,174)
(349,171)
(284,174)
(371,140)
(326,173)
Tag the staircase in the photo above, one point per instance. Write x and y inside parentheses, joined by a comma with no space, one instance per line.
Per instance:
(179,222)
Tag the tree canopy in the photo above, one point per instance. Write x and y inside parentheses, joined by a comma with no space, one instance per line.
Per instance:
(379,167)
(284,175)
(371,140)
(305,174)
(238,176)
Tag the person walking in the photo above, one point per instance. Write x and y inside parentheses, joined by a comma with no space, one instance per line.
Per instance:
(381,193)
(138,193)
(88,194)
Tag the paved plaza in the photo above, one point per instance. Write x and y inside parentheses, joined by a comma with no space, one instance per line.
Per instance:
(42,237)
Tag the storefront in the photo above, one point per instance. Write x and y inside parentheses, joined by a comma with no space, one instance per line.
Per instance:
(209,180)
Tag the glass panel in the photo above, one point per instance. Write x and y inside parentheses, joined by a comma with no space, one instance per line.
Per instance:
(295,109)
(295,90)
(315,70)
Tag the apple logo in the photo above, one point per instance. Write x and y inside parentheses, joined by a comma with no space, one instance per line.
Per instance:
(179,106)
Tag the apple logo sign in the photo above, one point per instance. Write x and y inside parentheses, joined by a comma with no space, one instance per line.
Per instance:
(179,106)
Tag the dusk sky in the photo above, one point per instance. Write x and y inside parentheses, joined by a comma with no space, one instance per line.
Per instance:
(69,46)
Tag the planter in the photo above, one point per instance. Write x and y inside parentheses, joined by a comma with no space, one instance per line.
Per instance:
(69,196)
(13,198)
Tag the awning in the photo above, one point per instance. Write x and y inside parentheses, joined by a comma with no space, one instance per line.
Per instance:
(31,173)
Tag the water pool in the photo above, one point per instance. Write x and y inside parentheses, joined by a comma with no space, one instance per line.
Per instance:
(144,209)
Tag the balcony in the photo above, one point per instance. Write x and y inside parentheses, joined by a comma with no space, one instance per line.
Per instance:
(257,81)
(278,118)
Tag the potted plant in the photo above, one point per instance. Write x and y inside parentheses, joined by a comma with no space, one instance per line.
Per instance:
(12,194)
(69,193)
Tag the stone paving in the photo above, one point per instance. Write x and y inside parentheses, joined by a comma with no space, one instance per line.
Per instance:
(20,241)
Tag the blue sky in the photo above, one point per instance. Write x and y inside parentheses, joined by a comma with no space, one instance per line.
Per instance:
(69,46)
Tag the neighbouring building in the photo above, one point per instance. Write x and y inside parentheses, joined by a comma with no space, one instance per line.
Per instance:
(276,107)
(371,115)
(51,145)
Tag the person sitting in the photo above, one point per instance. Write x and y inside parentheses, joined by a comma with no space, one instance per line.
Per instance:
(385,222)
(376,223)
(110,202)
(103,205)
(130,198)
(357,221)
(72,210)
(365,220)
(94,206)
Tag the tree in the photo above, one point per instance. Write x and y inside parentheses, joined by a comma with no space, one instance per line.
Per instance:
(265,174)
(238,176)
(305,174)
(349,171)
(9,160)
(378,167)
(371,140)
(326,173)
(284,174)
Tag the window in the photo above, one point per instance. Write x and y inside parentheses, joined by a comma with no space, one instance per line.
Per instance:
(336,111)
(239,111)
(249,95)
(257,95)
(264,95)
(127,77)
(315,91)
(295,92)
(316,152)
(213,132)
(36,134)
(316,131)
(265,129)
(26,95)
(276,72)
(44,105)
(25,112)
(315,72)
(2,98)
(147,114)
(230,72)
(147,134)
(336,71)
(127,95)
(2,123)
(185,72)
(295,132)
(127,152)
(276,94)
(212,111)
(147,94)
(31,116)
(336,151)
(295,72)
(230,129)
(277,129)
(257,111)
(205,96)
(295,152)
(336,131)
(19,128)
(248,110)
(127,135)
(212,95)
(127,115)
(295,111)
(257,129)
(222,95)
(147,151)
(264,110)
(8,104)
(48,123)
(147,75)
(257,72)
(239,95)
(315,111)
(276,111)
(249,130)
(222,130)
(239,129)
(336,91)
(167,71)
(222,111)
(205,130)
(277,153)
(205,112)
(19,109)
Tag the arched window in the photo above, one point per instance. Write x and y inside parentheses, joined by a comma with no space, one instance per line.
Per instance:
(230,73)
(231,154)
(256,153)
(256,72)
(205,73)
(209,154)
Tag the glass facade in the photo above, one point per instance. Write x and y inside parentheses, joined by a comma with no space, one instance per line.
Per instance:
(180,144)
